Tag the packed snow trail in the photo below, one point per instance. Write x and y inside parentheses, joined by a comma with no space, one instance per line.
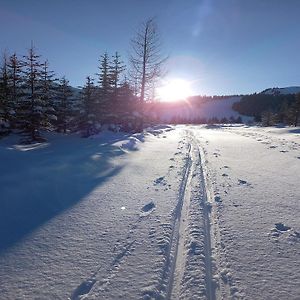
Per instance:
(191,270)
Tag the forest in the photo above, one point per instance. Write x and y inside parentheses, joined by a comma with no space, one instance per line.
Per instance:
(271,109)
(33,99)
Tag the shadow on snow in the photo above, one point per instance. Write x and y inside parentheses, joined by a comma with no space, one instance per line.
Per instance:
(38,184)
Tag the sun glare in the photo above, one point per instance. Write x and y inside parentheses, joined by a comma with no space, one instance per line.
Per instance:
(175,89)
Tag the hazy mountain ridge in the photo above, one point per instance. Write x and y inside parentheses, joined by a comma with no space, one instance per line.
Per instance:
(282,91)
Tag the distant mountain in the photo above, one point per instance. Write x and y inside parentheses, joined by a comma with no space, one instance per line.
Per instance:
(282,91)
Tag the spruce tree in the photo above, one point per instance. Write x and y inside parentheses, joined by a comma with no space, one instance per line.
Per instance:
(15,82)
(295,110)
(88,123)
(128,106)
(105,88)
(31,107)
(116,69)
(4,97)
(64,106)
(48,93)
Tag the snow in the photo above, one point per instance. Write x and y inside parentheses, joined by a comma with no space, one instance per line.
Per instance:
(215,108)
(282,91)
(175,212)
(254,174)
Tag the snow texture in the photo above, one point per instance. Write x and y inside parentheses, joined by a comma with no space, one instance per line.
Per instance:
(176,212)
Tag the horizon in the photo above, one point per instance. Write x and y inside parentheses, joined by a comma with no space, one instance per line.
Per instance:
(220,49)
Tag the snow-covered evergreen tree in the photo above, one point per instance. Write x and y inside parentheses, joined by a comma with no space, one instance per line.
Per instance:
(105,88)
(88,116)
(116,70)
(64,106)
(48,93)
(15,81)
(294,112)
(5,104)
(31,109)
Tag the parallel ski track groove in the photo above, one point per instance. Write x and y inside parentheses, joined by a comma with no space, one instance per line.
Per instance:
(175,234)
(211,293)
(173,248)
(170,264)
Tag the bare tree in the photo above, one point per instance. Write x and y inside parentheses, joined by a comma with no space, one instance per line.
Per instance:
(146,58)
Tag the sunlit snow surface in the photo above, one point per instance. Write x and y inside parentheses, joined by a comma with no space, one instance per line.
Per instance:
(105,217)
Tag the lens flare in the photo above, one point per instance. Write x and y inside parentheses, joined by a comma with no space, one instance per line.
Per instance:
(175,89)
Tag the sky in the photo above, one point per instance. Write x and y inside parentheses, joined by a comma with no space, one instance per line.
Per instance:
(221,47)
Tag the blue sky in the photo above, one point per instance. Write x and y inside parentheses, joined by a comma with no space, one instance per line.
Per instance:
(221,46)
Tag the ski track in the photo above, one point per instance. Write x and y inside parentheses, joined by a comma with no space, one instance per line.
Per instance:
(188,271)
(193,260)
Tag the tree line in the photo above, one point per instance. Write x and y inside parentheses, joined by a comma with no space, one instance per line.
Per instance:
(271,109)
(32,99)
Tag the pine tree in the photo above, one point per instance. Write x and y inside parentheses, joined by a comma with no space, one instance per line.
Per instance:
(268,118)
(31,108)
(116,69)
(48,94)
(105,88)
(64,106)
(295,110)
(126,96)
(4,97)
(15,83)
(88,123)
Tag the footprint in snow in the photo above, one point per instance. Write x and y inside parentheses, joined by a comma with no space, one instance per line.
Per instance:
(243,182)
(281,227)
(147,208)
(160,180)
(218,199)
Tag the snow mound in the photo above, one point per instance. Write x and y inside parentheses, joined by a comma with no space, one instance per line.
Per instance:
(130,144)
(159,129)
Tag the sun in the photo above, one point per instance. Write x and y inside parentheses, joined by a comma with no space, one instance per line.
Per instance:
(175,89)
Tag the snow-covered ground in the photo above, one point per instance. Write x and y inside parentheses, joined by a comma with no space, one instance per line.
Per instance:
(185,212)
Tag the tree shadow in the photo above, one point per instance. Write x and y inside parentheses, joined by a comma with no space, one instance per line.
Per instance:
(295,130)
(40,183)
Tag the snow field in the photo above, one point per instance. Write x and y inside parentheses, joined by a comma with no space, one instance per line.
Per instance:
(255,213)
(184,212)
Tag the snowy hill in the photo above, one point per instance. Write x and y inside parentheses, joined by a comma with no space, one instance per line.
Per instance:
(212,108)
(282,91)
